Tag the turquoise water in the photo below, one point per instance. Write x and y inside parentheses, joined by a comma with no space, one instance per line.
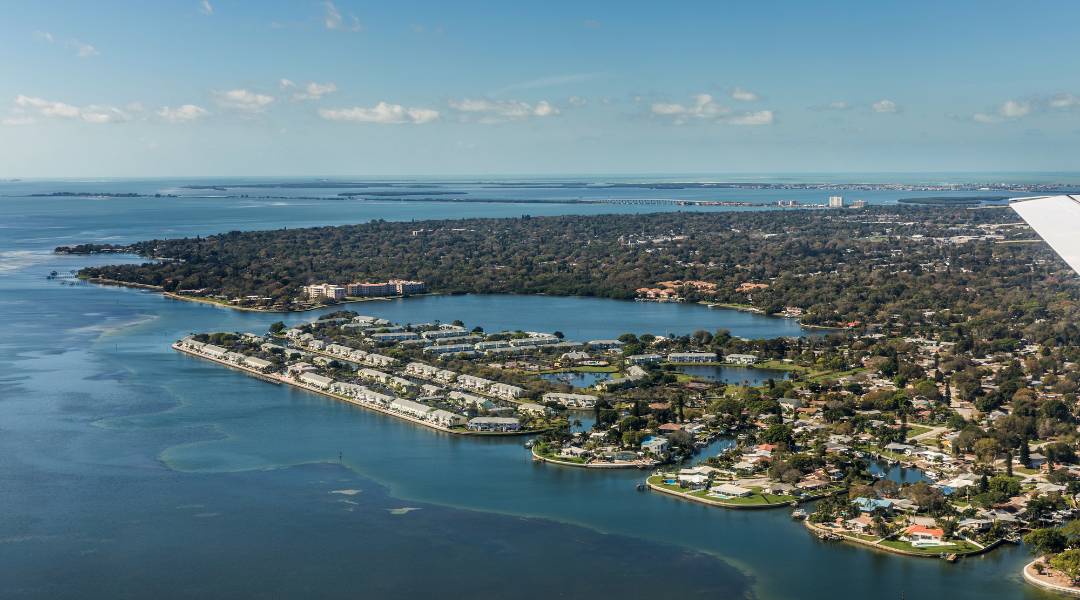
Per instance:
(130,470)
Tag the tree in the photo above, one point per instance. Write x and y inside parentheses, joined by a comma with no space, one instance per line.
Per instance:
(1045,541)
(1025,452)
(1068,562)
(277,327)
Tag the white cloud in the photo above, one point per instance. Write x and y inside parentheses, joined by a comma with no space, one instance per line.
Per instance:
(383,113)
(183,113)
(498,111)
(16,120)
(576,101)
(286,84)
(333,19)
(885,106)
(206,8)
(243,100)
(703,107)
(834,105)
(760,117)
(93,113)
(314,91)
(1062,101)
(743,95)
(1014,109)
(82,49)
(1009,110)
(45,35)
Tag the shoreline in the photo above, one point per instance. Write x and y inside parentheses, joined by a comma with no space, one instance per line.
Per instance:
(817,529)
(1032,577)
(717,503)
(565,463)
(281,381)
(203,300)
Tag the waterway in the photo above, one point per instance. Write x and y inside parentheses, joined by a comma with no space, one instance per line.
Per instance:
(130,470)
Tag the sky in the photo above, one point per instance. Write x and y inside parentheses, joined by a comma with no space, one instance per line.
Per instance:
(404,88)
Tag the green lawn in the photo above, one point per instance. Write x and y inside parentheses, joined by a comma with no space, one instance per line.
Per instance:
(914,430)
(756,499)
(955,546)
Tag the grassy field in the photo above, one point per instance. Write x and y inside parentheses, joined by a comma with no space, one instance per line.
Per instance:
(914,430)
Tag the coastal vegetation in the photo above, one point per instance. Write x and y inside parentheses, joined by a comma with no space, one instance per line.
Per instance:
(926,268)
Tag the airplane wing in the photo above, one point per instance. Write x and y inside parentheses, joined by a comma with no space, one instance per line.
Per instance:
(1057,220)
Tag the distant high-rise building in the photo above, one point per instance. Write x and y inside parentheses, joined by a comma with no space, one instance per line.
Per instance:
(858,204)
(836,202)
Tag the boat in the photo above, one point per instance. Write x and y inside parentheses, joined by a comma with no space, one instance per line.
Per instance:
(798,514)
(949,557)
(528,444)
(640,487)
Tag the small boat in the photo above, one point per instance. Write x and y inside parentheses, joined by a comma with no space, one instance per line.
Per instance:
(528,444)
(641,487)
(798,514)
(949,557)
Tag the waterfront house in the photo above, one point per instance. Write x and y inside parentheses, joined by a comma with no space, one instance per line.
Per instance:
(530,408)
(869,505)
(657,445)
(505,391)
(922,533)
(571,400)
(494,424)
(408,407)
(730,490)
(316,380)
(257,363)
(446,418)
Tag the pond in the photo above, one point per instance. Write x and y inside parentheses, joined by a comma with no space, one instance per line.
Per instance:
(734,375)
(576,379)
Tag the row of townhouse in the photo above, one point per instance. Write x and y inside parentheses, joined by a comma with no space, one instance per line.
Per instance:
(498,424)
(447,331)
(361,393)
(450,349)
(467,401)
(392,381)
(692,357)
(418,410)
(363,357)
(431,373)
(571,400)
(252,362)
(489,387)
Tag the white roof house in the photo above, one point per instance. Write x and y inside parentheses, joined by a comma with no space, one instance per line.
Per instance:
(316,380)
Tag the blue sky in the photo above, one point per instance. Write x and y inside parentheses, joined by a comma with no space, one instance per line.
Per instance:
(222,87)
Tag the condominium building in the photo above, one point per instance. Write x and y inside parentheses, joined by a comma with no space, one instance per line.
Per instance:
(320,291)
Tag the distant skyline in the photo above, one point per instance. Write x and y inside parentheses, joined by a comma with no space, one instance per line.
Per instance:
(220,87)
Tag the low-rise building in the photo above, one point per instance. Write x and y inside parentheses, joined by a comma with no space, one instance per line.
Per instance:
(494,424)
(740,359)
(691,357)
(571,400)
(314,379)
(320,291)
(643,359)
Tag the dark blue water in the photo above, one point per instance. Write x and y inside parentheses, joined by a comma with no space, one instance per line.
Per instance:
(129,470)
(734,374)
